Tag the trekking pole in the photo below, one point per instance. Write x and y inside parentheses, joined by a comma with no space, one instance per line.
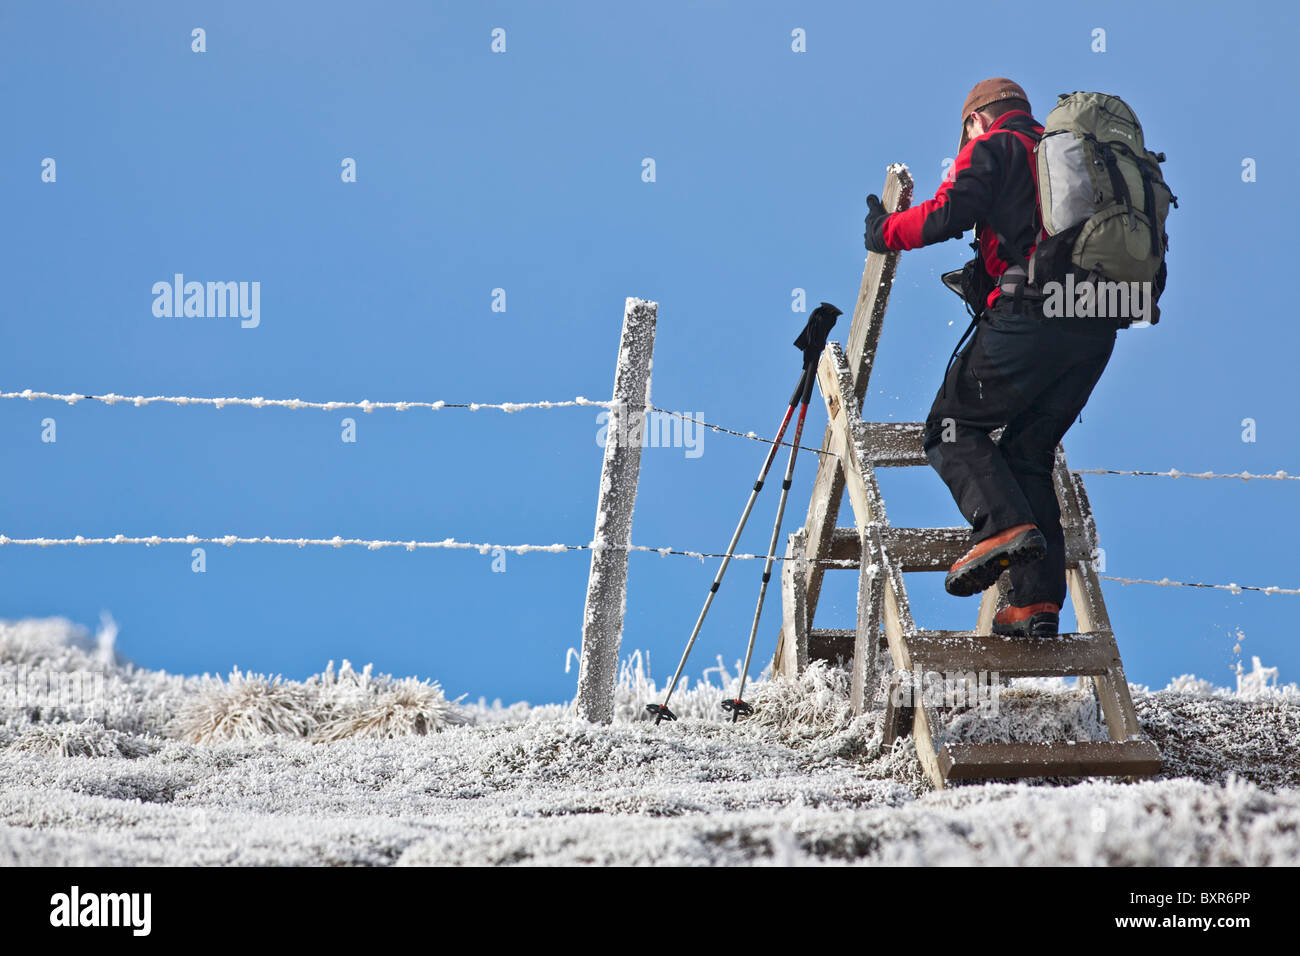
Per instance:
(811,341)
(737,707)
(661,711)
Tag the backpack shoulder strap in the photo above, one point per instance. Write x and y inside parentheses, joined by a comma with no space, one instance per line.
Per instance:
(1028,133)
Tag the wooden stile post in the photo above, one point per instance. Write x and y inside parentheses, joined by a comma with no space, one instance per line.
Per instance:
(602,622)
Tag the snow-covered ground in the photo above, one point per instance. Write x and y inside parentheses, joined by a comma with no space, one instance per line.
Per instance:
(129,766)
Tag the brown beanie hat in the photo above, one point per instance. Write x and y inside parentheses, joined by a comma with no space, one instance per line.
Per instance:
(984,93)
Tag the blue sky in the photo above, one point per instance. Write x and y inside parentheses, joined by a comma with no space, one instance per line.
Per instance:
(522,171)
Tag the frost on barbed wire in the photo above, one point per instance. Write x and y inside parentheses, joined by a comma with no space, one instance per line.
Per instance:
(367,406)
(258,401)
(1278,475)
(596,547)
(1232,588)
(230,540)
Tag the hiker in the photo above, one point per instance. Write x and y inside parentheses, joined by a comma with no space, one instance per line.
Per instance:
(1020,370)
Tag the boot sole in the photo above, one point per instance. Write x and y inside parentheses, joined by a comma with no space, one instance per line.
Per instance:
(984,571)
(1037,627)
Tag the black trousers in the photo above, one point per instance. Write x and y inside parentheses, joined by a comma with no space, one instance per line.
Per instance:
(1034,376)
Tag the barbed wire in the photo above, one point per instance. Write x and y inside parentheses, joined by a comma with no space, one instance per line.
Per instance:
(1175,473)
(230,540)
(367,406)
(488,548)
(752,436)
(259,402)
(72,398)
(1171,473)
(1234,588)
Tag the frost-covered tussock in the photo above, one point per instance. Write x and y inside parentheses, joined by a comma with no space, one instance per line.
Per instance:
(53,671)
(352,704)
(814,706)
(57,644)
(244,707)
(329,707)
(88,738)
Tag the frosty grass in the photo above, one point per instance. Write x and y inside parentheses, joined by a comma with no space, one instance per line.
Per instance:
(133,766)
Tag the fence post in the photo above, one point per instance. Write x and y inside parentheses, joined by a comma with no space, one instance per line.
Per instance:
(602,622)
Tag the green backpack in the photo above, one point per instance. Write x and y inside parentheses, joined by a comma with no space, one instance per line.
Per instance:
(1102,197)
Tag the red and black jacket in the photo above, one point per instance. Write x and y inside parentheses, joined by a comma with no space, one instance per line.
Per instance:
(992,186)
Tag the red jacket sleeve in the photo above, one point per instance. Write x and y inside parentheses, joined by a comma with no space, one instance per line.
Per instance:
(963,199)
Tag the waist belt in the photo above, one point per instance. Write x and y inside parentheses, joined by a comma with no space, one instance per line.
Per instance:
(1015,283)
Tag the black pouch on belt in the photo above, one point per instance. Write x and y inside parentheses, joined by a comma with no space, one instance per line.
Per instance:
(973,283)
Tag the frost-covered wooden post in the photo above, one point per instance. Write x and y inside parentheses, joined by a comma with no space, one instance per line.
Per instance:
(602,624)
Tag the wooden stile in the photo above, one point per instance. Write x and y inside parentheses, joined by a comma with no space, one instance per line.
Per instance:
(881,554)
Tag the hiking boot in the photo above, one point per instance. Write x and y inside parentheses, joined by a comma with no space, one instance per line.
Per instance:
(980,566)
(1032,620)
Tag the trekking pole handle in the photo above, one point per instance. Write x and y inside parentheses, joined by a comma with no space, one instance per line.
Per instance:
(810,379)
(802,386)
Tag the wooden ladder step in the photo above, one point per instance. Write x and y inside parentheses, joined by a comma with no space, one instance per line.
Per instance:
(830,643)
(930,549)
(895,444)
(1066,655)
(1109,758)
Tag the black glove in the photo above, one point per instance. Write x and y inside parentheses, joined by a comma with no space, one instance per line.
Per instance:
(874,237)
(812,339)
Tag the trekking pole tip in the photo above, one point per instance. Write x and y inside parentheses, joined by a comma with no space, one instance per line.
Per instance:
(661,713)
(737,708)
